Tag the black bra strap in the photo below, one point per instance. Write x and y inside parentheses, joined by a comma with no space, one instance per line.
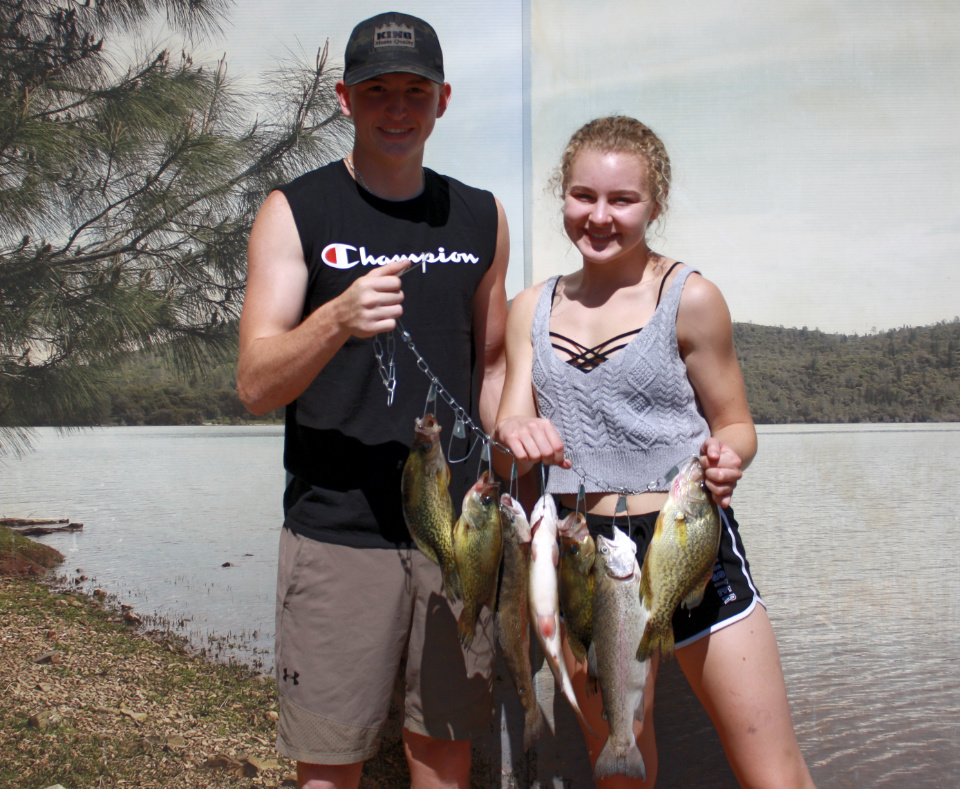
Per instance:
(664,280)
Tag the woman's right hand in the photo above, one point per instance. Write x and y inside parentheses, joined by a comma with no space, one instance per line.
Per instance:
(532,440)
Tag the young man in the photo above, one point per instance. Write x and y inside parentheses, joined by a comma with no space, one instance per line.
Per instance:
(355,599)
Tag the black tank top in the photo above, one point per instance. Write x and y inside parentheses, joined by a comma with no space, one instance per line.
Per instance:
(343,445)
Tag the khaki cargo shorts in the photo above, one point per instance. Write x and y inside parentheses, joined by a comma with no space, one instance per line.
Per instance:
(348,620)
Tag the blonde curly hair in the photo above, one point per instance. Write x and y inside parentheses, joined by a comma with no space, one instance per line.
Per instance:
(619,133)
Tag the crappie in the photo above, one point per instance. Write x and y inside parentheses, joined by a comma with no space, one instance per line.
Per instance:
(427,507)
(618,623)
(477,548)
(544,599)
(575,581)
(680,558)
(513,613)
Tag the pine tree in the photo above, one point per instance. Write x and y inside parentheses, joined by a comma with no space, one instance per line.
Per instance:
(127,194)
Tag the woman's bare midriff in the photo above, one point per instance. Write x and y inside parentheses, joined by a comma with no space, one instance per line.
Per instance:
(606,503)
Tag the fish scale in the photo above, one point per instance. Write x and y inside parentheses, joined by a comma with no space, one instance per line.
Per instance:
(427,507)
(681,557)
(477,550)
(618,623)
(513,613)
(575,581)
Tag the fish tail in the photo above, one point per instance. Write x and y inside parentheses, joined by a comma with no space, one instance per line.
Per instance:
(532,725)
(656,635)
(620,760)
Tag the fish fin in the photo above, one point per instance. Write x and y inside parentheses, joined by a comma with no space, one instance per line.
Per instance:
(666,642)
(646,592)
(656,635)
(577,647)
(451,583)
(646,646)
(620,760)
(427,550)
(593,681)
(695,596)
(593,685)
(466,628)
(491,601)
(638,712)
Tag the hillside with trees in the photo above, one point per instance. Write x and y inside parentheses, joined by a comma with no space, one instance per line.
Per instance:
(792,376)
(801,376)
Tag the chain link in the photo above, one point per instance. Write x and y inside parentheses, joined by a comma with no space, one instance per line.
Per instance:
(659,484)
(458,410)
(388,374)
(388,370)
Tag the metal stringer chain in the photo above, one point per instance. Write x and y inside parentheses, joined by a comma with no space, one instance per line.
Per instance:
(388,375)
(463,421)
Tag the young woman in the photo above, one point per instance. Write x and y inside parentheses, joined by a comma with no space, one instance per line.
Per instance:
(614,375)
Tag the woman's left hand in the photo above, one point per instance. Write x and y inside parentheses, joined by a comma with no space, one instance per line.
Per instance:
(721,469)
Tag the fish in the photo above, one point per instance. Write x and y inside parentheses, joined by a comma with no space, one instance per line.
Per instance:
(427,506)
(618,624)
(513,613)
(681,556)
(575,581)
(544,597)
(478,549)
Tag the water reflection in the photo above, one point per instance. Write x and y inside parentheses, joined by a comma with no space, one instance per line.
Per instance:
(164,508)
(853,535)
(856,548)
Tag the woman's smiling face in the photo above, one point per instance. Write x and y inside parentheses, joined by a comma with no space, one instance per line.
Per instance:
(608,205)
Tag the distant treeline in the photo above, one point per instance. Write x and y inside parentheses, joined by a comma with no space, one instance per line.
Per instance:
(902,375)
(146,390)
(792,376)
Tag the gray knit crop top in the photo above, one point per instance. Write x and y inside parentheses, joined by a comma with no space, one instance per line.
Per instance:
(629,420)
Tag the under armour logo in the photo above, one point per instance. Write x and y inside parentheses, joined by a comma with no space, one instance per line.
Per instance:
(294,676)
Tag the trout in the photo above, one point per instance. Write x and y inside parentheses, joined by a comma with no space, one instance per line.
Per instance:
(513,613)
(575,580)
(544,599)
(618,622)
(680,558)
(478,548)
(427,507)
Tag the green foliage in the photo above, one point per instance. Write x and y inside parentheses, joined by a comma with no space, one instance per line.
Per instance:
(902,375)
(149,389)
(792,376)
(127,195)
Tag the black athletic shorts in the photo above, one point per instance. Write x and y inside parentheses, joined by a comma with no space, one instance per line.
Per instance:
(731,594)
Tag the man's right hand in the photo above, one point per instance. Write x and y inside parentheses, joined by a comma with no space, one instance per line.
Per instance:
(374,302)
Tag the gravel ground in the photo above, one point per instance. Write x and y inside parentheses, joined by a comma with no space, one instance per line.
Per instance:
(88,700)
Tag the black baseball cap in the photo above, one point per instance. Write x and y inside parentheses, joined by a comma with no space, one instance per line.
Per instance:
(392,42)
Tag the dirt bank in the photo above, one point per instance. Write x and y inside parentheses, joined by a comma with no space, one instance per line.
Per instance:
(88,700)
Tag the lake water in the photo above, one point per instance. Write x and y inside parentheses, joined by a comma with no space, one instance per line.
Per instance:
(853,533)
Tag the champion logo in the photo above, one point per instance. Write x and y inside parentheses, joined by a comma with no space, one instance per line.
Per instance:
(393,35)
(344,256)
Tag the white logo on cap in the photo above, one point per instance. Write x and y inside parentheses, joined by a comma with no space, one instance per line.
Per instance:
(393,35)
